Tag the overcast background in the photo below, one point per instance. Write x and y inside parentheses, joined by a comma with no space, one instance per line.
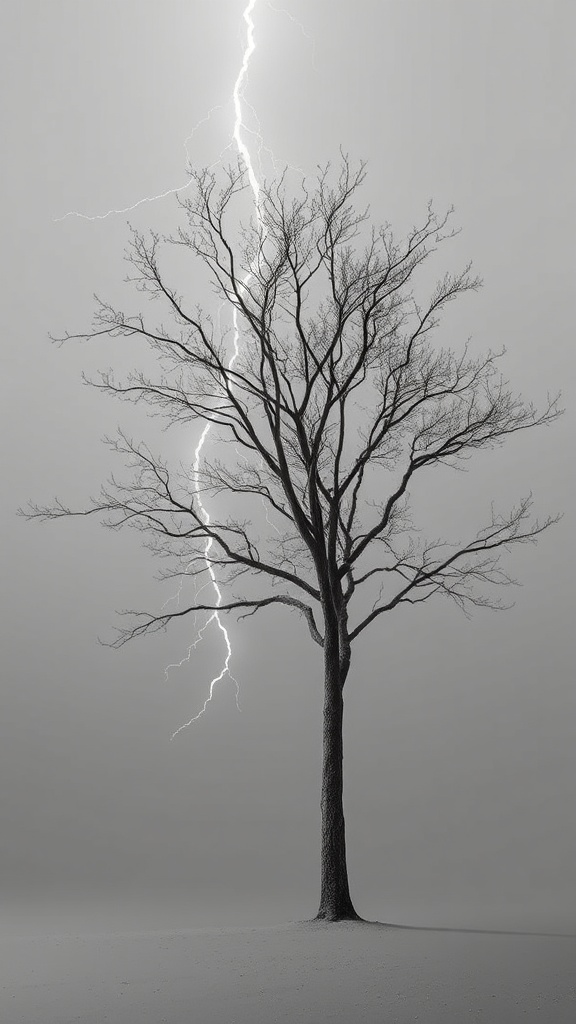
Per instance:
(459,744)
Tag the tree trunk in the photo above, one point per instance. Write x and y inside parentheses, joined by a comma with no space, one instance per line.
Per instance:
(335,901)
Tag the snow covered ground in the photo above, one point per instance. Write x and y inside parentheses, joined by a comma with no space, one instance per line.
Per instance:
(296,973)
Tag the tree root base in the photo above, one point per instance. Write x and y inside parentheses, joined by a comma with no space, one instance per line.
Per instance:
(334,916)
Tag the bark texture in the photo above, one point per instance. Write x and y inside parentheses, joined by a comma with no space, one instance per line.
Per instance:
(335,901)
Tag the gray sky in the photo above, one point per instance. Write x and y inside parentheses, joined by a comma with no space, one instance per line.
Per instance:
(460,755)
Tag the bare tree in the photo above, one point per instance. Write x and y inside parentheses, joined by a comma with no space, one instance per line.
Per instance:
(336,392)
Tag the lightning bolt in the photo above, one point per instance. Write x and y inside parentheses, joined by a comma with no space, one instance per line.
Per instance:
(237,97)
(239,130)
(215,616)
(160,195)
(245,155)
(307,36)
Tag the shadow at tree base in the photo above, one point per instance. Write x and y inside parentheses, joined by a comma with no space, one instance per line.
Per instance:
(362,922)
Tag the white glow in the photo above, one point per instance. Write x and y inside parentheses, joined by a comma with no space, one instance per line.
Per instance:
(147,199)
(244,153)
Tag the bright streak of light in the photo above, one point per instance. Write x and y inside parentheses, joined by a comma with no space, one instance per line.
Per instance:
(244,153)
(282,10)
(237,96)
(239,129)
(268,520)
(238,125)
(215,617)
(147,199)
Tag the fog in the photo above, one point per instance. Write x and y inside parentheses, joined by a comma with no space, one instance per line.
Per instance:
(459,738)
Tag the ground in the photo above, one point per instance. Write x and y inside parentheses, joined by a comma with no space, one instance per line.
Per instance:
(298,973)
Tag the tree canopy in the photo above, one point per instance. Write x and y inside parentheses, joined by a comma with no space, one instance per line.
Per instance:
(333,387)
